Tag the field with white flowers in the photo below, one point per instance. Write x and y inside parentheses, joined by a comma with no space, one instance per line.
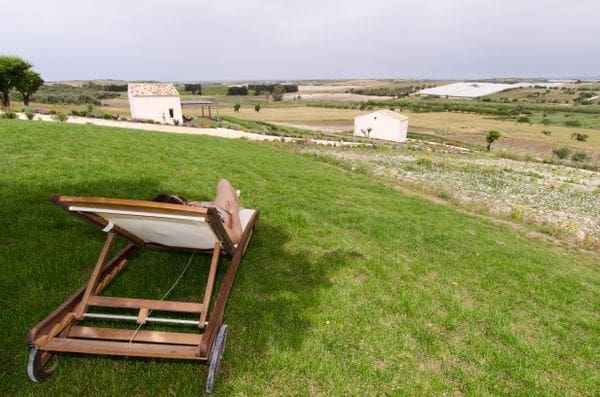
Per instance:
(560,201)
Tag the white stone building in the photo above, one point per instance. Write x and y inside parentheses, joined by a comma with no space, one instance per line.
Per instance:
(382,124)
(155,101)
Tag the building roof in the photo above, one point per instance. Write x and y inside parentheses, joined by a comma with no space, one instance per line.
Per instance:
(152,89)
(388,113)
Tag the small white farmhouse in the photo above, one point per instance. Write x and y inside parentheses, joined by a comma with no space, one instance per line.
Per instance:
(382,124)
(155,101)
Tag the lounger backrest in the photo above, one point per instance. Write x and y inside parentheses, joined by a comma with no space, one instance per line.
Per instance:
(158,226)
(183,231)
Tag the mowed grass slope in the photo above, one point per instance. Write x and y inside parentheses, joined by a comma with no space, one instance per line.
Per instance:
(348,287)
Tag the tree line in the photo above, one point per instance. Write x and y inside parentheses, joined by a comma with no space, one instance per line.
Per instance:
(16,74)
(261,89)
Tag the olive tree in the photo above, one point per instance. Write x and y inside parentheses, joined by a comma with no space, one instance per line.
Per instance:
(12,71)
(491,137)
(29,84)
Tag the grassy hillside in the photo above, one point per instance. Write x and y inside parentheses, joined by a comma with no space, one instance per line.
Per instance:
(348,287)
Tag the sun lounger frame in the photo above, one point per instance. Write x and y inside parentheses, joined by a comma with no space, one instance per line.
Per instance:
(61,331)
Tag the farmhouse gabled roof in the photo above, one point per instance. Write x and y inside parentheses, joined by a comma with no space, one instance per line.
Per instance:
(387,113)
(152,89)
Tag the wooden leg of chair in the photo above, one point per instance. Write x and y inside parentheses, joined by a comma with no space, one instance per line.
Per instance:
(95,274)
(210,284)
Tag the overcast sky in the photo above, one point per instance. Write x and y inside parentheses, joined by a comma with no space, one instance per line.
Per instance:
(202,40)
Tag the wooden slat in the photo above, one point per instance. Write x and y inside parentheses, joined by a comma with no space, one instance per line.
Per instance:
(130,205)
(175,338)
(123,348)
(134,303)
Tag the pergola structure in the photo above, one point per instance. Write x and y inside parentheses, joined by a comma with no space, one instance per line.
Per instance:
(202,105)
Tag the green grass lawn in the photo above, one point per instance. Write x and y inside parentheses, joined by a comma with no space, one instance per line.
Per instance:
(348,287)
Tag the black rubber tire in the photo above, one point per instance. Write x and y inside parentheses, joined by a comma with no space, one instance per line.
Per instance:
(216,354)
(40,365)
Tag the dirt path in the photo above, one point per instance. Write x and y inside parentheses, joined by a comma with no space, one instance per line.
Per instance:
(218,132)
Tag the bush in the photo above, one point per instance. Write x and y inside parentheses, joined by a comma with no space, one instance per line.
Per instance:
(425,161)
(580,157)
(29,114)
(546,132)
(546,121)
(523,119)
(60,117)
(236,107)
(579,136)
(107,116)
(573,123)
(9,115)
(562,152)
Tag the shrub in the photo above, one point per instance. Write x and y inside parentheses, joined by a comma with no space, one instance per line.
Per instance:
(236,107)
(546,132)
(60,117)
(107,116)
(573,123)
(546,121)
(424,161)
(257,107)
(176,122)
(9,115)
(523,119)
(29,114)
(52,112)
(580,157)
(562,152)
(82,113)
(579,136)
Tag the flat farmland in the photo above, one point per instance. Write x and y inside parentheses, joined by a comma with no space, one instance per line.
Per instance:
(457,125)
(310,117)
(461,124)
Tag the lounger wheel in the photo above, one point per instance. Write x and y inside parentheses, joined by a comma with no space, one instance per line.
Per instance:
(40,365)
(216,354)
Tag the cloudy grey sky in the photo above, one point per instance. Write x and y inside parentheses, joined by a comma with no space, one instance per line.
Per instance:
(200,40)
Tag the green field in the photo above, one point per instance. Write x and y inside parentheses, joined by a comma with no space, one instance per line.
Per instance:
(348,287)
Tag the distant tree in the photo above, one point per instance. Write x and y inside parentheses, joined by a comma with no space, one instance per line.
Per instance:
(257,107)
(491,137)
(12,71)
(278,93)
(29,84)
(242,90)
(195,89)
(236,107)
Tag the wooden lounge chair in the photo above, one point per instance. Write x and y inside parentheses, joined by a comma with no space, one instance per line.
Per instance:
(142,224)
